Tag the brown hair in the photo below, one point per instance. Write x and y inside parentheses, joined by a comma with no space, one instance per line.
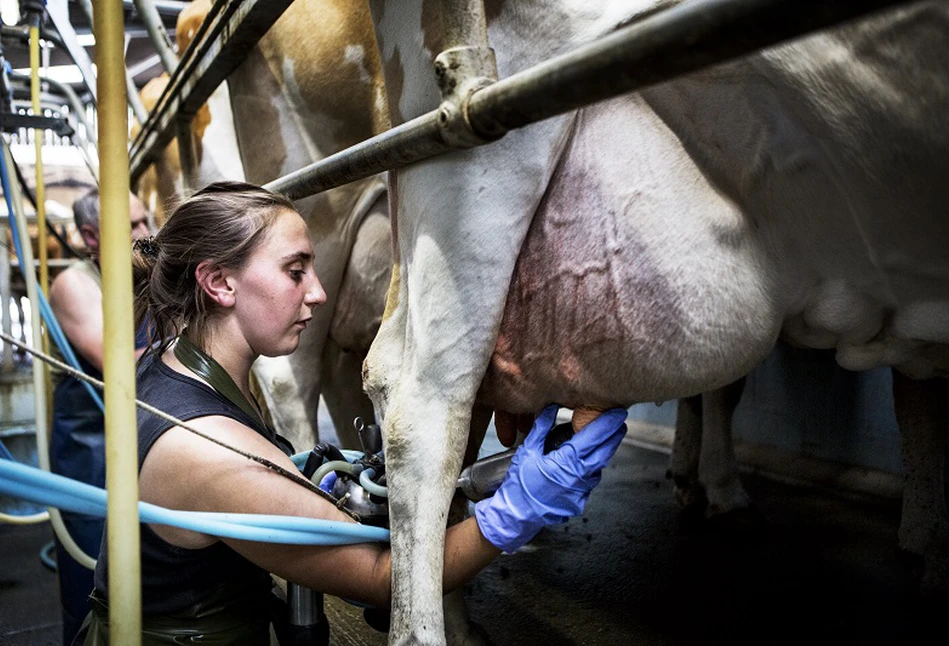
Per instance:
(222,223)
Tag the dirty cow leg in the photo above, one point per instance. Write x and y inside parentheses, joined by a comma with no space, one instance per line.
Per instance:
(424,446)
(718,465)
(684,461)
(703,464)
(922,410)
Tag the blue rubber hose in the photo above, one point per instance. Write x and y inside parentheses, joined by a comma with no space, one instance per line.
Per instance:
(5,452)
(50,489)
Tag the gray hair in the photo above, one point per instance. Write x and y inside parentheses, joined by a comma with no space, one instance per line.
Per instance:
(85,210)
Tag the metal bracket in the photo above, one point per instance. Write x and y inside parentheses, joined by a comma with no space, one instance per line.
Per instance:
(11,122)
(460,72)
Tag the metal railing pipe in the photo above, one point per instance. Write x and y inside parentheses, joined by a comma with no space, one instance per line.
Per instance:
(405,144)
(187,155)
(134,100)
(679,40)
(230,31)
(156,31)
(121,440)
(675,41)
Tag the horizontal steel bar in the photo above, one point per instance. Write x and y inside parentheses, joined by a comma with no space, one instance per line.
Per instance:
(234,30)
(679,40)
(405,144)
(675,41)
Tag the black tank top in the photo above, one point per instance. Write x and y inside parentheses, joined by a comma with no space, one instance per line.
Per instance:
(176,579)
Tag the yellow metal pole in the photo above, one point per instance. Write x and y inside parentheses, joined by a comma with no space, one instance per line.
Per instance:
(38,136)
(121,450)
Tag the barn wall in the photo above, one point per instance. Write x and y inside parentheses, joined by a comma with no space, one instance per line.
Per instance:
(801,402)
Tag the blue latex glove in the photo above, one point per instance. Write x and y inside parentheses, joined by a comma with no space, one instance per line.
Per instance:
(541,490)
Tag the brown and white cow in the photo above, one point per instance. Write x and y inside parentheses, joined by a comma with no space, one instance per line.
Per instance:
(654,246)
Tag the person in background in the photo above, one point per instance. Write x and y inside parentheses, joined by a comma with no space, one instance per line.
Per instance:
(77,444)
(229,278)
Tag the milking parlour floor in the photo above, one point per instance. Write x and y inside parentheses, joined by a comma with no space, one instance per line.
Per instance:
(824,568)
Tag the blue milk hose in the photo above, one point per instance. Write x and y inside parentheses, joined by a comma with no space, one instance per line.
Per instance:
(53,490)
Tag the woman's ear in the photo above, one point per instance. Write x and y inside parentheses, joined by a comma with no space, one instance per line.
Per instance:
(213,280)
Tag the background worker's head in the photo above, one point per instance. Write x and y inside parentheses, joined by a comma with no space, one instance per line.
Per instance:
(220,226)
(86,216)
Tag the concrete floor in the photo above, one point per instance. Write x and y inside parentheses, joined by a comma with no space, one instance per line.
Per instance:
(823,568)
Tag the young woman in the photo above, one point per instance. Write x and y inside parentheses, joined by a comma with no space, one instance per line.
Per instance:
(229,278)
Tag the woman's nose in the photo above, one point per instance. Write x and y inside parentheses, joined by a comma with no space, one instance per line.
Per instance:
(315,295)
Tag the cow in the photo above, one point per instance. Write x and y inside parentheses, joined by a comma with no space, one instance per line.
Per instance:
(654,246)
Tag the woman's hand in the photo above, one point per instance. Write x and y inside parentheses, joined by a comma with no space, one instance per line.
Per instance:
(542,490)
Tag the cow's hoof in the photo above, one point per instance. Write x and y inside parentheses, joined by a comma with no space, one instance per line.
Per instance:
(689,494)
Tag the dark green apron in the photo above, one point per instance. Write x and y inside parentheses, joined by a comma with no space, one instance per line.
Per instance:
(215,621)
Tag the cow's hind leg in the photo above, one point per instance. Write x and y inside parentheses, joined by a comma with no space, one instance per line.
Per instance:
(718,464)
(922,410)
(684,461)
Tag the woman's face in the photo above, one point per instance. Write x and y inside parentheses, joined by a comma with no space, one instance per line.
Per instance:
(276,290)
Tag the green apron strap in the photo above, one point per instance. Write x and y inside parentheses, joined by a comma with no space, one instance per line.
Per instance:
(193,358)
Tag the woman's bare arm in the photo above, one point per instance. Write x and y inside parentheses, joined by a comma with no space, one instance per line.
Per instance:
(184,471)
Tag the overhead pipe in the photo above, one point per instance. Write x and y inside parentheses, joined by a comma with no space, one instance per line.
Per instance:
(58,12)
(156,31)
(121,442)
(682,39)
(131,92)
(167,7)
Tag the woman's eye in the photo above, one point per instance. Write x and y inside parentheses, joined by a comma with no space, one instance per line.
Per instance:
(297,274)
